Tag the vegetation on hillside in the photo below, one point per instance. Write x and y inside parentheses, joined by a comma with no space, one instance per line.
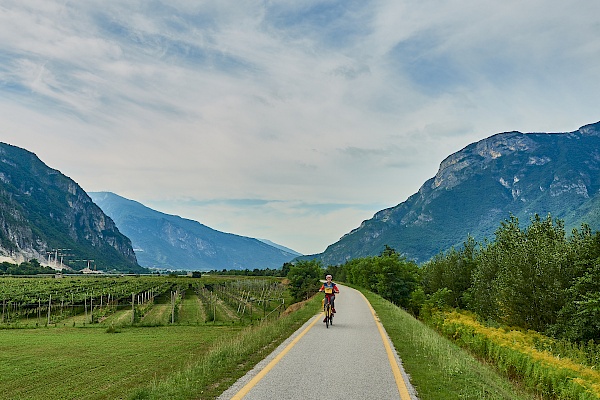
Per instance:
(31,267)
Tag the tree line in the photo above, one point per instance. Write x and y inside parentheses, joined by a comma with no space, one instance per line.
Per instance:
(535,277)
(279,272)
(390,275)
(31,267)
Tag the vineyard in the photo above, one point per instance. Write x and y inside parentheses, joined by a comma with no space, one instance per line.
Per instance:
(117,301)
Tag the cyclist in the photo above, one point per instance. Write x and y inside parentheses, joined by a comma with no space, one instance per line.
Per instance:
(330,290)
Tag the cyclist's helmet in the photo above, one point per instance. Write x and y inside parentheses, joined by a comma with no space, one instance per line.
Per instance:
(328,276)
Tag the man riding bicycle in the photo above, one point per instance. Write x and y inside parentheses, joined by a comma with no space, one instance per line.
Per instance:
(330,290)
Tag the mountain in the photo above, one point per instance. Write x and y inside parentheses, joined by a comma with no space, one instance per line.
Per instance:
(171,242)
(478,187)
(280,247)
(43,212)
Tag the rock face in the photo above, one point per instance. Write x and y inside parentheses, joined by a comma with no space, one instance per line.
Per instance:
(478,187)
(170,242)
(43,212)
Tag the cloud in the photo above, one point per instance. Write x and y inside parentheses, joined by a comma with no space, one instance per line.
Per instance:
(347,106)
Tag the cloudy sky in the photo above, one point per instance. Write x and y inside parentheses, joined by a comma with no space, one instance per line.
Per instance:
(288,120)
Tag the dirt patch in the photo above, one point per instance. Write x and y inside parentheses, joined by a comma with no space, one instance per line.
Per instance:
(294,307)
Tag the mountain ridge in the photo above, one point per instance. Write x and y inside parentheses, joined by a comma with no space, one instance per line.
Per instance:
(171,242)
(43,211)
(280,247)
(478,187)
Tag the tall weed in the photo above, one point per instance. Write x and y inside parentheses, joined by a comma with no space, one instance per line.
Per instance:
(521,354)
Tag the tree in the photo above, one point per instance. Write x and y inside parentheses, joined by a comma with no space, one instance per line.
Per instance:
(579,319)
(337,271)
(521,279)
(389,275)
(453,271)
(396,278)
(304,279)
(285,268)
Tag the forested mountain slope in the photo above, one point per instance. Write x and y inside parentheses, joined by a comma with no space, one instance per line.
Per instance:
(481,185)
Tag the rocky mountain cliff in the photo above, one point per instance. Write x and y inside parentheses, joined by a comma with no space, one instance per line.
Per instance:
(43,212)
(478,187)
(170,242)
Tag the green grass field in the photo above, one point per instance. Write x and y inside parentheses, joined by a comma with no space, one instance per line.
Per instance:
(89,363)
(191,310)
(114,355)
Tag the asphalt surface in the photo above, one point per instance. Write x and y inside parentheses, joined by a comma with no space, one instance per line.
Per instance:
(347,361)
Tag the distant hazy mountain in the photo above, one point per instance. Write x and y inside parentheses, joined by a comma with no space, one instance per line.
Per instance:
(480,186)
(280,247)
(171,242)
(42,211)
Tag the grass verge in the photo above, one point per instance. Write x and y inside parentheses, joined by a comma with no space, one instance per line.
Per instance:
(438,368)
(229,359)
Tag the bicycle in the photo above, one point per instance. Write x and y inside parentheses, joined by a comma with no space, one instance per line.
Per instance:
(327,308)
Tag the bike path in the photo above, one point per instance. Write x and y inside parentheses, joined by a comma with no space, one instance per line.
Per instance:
(348,360)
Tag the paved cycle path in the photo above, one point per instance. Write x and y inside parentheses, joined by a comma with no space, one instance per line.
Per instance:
(349,360)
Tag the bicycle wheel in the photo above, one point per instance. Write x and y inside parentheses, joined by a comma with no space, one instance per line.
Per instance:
(327,315)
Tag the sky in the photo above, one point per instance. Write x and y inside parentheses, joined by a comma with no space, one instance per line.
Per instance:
(291,120)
